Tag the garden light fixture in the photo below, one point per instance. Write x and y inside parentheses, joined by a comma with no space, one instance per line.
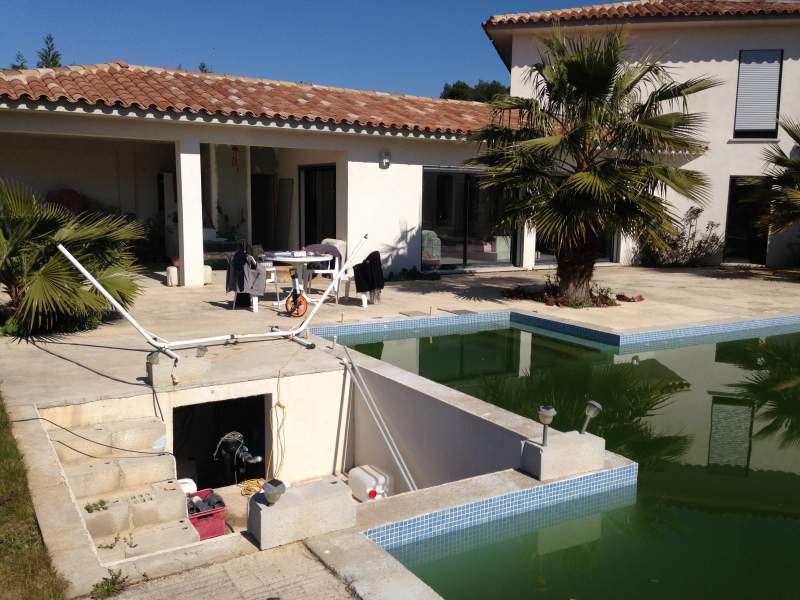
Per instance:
(591,411)
(546,414)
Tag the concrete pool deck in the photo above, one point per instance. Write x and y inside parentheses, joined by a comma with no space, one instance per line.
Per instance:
(109,363)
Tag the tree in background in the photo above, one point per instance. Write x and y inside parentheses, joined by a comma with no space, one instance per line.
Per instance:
(592,152)
(49,57)
(203,67)
(483,91)
(20,62)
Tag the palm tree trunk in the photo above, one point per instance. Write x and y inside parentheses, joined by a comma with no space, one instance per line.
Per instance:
(575,270)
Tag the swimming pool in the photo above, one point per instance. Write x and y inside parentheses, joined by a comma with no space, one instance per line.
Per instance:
(714,425)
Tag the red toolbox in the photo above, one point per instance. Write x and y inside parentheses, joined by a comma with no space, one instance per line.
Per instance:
(209,523)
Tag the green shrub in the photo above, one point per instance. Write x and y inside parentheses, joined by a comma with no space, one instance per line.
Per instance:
(47,294)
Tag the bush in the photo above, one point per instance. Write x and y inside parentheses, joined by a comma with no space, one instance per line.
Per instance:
(686,247)
(46,293)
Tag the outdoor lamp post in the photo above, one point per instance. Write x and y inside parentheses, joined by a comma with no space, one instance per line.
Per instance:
(591,411)
(546,414)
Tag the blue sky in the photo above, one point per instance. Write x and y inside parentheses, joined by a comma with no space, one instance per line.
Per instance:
(409,46)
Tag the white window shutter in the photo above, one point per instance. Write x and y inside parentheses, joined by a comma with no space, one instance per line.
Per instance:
(759,89)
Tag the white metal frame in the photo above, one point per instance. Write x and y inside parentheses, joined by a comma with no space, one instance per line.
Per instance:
(168,348)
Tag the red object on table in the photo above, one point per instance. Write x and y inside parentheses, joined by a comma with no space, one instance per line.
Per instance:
(209,523)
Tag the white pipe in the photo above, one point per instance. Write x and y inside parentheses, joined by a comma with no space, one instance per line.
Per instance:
(291,333)
(383,428)
(167,347)
(162,346)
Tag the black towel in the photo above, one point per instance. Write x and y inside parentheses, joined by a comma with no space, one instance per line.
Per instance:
(369,273)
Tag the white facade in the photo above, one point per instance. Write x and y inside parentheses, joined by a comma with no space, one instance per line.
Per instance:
(114,157)
(690,49)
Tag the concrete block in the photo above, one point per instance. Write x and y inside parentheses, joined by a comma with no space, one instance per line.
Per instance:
(161,537)
(566,454)
(107,520)
(98,433)
(171,501)
(93,476)
(147,434)
(190,369)
(304,511)
(139,472)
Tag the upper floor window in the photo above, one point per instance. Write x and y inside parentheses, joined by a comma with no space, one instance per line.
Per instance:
(758,94)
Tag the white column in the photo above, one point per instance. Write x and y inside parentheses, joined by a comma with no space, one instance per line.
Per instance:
(528,236)
(190,211)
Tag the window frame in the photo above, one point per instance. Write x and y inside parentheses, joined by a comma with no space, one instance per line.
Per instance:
(770,134)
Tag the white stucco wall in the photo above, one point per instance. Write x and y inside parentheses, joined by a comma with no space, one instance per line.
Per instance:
(385,203)
(704,49)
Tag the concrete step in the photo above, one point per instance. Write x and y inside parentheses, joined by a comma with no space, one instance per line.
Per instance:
(146,540)
(111,514)
(98,476)
(147,434)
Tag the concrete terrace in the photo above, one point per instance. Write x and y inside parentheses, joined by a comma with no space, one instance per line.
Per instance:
(109,361)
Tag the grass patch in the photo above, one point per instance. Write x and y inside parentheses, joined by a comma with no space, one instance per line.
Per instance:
(25,569)
(110,586)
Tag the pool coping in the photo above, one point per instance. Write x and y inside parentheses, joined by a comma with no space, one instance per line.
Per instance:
(645,339)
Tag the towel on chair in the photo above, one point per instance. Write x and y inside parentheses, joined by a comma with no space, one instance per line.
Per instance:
(245,275)
(369,273)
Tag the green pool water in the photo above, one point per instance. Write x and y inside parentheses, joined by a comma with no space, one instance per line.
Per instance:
(715,428)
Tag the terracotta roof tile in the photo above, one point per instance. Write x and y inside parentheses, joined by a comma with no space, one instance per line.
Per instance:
(652,9)
(118,84)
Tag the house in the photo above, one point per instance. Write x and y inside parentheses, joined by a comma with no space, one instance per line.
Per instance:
(752,46)
(211,161)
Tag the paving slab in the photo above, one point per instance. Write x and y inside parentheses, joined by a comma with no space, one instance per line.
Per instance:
(290,572)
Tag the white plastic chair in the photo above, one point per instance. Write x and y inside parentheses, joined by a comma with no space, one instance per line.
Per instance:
(341,246)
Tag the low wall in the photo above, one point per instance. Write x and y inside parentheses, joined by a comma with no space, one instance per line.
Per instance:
(442,434)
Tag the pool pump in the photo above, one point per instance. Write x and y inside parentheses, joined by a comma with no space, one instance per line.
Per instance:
(232,449)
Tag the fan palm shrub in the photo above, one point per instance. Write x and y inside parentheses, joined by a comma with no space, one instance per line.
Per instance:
(779,187)
(46,293)
(592,151)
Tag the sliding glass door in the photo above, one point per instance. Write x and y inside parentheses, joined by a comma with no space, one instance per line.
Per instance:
(458,224)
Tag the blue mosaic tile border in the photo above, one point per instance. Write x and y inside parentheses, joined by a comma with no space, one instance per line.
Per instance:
(327,331)
(456,518)
(625,342)
(487,534)
(730,330)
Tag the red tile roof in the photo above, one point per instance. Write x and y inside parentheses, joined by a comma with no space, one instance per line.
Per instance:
(160,90)
(652,9)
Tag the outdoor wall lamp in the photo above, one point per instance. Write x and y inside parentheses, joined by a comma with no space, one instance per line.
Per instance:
(546,414)
(385,159)
(591,411)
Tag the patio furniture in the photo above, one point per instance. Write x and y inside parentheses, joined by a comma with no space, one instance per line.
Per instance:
(247,276)
(431,250)
(368,276)
(299,260)
(338,249)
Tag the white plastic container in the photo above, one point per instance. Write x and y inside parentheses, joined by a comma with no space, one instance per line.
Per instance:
(368,484)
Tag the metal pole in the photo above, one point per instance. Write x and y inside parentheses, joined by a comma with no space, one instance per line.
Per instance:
(161,346)
(544,435)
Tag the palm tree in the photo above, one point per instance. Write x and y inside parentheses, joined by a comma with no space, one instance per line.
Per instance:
(592,151)
(779,188)
(46,292)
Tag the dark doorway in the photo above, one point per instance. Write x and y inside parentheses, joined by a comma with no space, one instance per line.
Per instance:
(317,204)
(745,241)
(263,211)
(197,430)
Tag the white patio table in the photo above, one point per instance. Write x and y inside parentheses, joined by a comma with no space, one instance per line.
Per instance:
(301,261)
